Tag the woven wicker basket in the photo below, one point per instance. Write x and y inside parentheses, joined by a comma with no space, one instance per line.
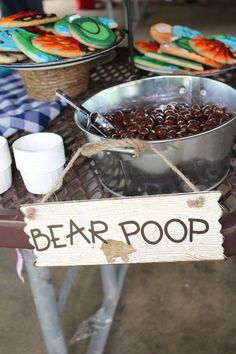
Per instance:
(42,84)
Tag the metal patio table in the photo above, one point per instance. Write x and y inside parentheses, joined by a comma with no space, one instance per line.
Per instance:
(82,182)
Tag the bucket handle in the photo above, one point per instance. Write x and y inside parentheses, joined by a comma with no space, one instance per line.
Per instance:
(125,151)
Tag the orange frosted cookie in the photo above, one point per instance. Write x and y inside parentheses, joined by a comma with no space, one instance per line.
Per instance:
(173,49)
(144,47)
(27,19)
(67,47)
(212,49)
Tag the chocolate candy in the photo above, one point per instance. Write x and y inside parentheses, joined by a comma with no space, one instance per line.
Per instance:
(165,122)
(171,134)
(193,128)
(143,131)
(161,133)
(159,119)
(149,122)
(152,135)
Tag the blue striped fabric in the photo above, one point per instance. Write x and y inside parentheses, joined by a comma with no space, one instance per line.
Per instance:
(20,112)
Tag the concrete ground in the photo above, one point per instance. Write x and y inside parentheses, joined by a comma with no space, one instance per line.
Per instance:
(164,308)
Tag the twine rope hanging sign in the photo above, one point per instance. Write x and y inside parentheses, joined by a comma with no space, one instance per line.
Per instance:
(175,227)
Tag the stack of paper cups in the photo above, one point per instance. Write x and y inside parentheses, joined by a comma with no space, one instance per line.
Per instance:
(40,158)
(5,165)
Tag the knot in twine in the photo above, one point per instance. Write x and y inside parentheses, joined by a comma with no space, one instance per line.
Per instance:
(30,213)
(90,149)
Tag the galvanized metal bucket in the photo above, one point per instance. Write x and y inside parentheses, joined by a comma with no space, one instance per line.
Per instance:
(204,158)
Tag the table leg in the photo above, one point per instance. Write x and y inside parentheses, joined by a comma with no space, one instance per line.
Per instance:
(46,305)
(112,281)
(66,286)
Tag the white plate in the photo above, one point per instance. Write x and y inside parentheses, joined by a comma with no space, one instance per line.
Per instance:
(210,72)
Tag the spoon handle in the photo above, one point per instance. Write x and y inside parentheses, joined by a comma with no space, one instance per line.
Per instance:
(71,102)
(79,108)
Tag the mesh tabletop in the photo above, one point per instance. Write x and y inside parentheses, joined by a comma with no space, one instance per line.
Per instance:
(82,181)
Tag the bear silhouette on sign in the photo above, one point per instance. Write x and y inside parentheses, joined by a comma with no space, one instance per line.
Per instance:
(116,249)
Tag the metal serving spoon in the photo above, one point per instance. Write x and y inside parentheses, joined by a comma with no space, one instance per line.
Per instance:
(93,117)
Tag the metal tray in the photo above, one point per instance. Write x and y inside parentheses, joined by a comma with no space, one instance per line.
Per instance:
(210,72)
(30,65)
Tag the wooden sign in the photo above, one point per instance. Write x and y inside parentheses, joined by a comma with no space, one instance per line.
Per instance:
(162,228)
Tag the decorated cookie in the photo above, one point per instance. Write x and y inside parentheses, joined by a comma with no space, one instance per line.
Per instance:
(165,33)
(6,41)
(184,32)
(229,41)
(154,64)
(212,49)
(144,47)
(109,22)
(61,27)
(173,49)
(169,59)
(10,57)
(161,32)
(7,58)
(184,44)
(27,19)
(23,41)
(67,47)
(92,33)
(19,56)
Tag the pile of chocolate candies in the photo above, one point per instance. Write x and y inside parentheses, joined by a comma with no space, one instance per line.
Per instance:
(165,122)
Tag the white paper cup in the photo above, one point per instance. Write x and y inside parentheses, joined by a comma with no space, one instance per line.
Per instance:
(5,165)
(40,158)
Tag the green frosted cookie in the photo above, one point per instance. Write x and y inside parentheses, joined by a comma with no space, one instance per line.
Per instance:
(171,59)
(153,63)
(92,33)
(23,41)
(183,43)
